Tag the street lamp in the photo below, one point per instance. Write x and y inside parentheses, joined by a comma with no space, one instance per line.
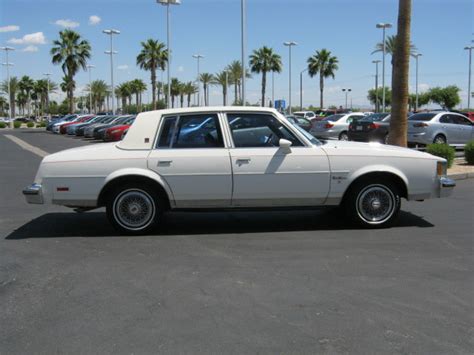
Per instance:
(111,33)
(89,69)
(469,48)
(346,91)
(167,3)
(301,88)
(48,75)
(8,65)
(376,62)
(416,56)
(289,44)
(383,26)
(198,57)
(242,40)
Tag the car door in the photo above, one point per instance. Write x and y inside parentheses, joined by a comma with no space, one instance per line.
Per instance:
(191,156)
(266,174)
(449,128)
(464,128)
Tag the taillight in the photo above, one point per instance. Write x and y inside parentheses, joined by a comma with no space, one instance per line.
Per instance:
(374,126)
(328,125)
(420,124)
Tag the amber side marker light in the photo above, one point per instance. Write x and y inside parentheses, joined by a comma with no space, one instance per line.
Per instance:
(441,168)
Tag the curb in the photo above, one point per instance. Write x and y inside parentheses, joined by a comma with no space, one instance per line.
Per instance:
(461,176)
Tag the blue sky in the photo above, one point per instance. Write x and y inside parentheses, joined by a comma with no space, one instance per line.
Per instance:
(440,30)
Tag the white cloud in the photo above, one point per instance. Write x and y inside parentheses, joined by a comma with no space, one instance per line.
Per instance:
(180,69)
(66,23)
(32,38)
(122,67)
(30,48)
(94,20)
(10,28)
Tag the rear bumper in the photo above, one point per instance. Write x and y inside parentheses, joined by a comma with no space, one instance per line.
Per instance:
(34,194)
(366,136)
(419,138)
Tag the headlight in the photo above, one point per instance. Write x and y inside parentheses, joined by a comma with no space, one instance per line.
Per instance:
(441,168)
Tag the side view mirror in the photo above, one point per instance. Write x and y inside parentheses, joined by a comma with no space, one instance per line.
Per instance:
(284,143)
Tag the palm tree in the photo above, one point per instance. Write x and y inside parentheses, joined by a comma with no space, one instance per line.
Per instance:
(26,85)
(189,90)
(3,105)
(138,87)
(390,44)
(121,91)
(400,71)
(206,79)
(324,64)
(22,100)
(153,56)
(264,60)
(13,86)
(222,79)
(99,90)
(72,53)
(41,88)
(175,89)
(68,86)
(235,78)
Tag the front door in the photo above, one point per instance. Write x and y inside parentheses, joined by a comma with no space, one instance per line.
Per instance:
(191,157)
(267,175)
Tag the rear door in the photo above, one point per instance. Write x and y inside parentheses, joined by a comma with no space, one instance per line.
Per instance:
(449,128)
(464,128)
(191,156)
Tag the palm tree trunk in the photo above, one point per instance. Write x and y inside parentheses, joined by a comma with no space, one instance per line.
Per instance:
(71,100)
(321,89)
(137,102)
(235,92)
(224,95)
(205,94)
(400,71)
(264,84)
(153,88)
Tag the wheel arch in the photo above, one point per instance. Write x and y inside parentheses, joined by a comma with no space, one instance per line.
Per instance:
(136,175)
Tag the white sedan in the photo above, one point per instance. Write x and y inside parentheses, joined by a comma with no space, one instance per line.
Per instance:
(234,157)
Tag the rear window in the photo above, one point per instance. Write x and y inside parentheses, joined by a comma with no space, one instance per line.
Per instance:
(332,118)
(422,117)
(375,117)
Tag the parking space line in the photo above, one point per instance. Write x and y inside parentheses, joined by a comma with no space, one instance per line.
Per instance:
(31,148)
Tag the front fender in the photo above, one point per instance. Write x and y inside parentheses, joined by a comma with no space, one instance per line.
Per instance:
(379,168)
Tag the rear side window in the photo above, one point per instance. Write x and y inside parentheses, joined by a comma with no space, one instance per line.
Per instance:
(446,119)
(422,117)
(191,131)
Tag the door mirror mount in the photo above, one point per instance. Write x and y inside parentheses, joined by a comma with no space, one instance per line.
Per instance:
(285,144)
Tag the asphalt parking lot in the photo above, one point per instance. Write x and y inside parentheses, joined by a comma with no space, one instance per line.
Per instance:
(242,282)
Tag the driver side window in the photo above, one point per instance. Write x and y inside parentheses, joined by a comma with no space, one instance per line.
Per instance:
(259,130)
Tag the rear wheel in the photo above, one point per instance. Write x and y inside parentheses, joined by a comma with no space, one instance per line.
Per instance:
(373,204)
(385,139)
(344,136)
(134,208)
(439,139)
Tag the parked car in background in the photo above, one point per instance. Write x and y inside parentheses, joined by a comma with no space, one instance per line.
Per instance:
(55,119)
(305,114)
(99,132)
(373,128)
(116,133)
(470,115)
(56,126)
(72,128)
(89,131)
(252,158)
(439,127)
(304,123)
(100,119)
(335,126)
(63,127)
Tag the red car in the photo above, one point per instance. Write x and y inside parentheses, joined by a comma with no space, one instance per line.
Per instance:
(63,127)
(115,133)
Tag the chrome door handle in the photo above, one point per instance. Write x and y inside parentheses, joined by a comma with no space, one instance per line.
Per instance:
(164,162)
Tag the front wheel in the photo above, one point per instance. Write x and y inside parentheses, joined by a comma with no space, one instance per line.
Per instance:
(133,209)
(373,204)
(344,136)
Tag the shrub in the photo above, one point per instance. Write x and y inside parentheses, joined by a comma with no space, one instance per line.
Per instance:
(17,124)
(469,152)
(30,125)
(443,151)
(41,124)
(3,125)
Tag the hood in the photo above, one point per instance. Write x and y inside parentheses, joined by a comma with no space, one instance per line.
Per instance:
(373,149)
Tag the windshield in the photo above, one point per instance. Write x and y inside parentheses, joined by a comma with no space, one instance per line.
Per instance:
(332,118)
(422,117)
(307,135)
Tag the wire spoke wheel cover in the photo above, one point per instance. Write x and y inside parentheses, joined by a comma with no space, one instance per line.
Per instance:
(375,204)
(134,209)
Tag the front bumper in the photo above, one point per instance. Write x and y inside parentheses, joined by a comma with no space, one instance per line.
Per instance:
(446,186)
(34,194)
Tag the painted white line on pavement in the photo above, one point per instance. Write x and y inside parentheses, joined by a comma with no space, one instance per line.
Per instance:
(31,148)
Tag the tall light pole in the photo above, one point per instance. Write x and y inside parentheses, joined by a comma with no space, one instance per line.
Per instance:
(301,88)
(346,91)
(242,40)
(469,48)
(198,57)
(289,44)
(376,62)
(416,56)
(167,3)
(226,87)
(89,69)
(111,33)
(48,75)
(8,65)
(383,26)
